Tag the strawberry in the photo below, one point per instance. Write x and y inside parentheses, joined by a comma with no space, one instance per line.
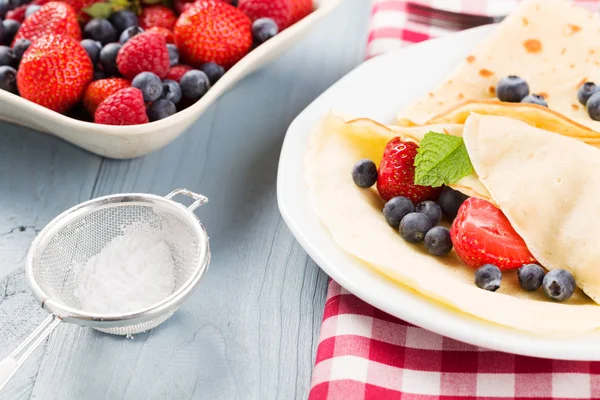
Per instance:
(99,90)
(283,12)
(211,30)
(144,52)
(397,173)
(54,72)
(126,107)
(301,9)
(169,35)
(157,15)
(481,234)
(54,18)
(176,72)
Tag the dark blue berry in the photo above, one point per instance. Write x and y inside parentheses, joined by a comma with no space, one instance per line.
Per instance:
(414,226)
(108,58)
(585,91)
(19,48)
(150,85)
(194,84)
(123,19)
(593,106)
(488,277)
(173,54)
(558,284)
(234,3)
(512,89)
(171,91)
(101,30)
(213,70)
(129,33)
(531,276)
(160,109)
(3,35)
(10,30)
(8,79)
(364,173)
(535,99)
(7,56)
(264,29)
(431,209)
(396,209)
(450,201)
(92,48)
(437,241)
(5,6)
(99,75)
(19,3)
(31,10)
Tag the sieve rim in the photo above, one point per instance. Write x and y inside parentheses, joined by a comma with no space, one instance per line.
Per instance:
(98,320)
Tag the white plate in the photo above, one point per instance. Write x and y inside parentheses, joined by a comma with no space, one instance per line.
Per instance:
(378,89)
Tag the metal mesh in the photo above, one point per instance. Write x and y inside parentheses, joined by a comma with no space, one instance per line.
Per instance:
(57,262)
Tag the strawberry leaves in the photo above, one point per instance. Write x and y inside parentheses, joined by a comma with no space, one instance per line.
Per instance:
(105,9)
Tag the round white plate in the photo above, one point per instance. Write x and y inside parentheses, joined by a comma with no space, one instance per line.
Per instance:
(378,89)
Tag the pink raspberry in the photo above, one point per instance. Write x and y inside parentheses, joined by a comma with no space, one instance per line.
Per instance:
(126,107)
(144,52)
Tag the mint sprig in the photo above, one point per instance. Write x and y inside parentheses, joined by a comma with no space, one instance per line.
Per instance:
(441,160)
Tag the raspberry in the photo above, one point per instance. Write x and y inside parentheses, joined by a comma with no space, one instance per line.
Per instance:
(157,15)
(175,73)
(144,52)
(169,35)
(126,107)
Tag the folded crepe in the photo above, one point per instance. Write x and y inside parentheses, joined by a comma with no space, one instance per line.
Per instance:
(354,218)
(552,44)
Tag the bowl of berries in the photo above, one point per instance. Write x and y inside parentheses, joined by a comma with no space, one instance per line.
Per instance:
(122,78)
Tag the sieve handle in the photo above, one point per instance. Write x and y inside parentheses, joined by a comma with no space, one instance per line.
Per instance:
(200,200)
(13,362)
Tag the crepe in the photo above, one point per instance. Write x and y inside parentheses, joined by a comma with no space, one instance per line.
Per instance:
(552,44)
(353,217)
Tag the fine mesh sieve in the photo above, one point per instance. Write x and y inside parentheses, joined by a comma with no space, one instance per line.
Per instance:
(71,239)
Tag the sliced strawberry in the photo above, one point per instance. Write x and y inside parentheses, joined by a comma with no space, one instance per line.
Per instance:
(481,234)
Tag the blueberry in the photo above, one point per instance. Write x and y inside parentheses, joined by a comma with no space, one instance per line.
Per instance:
(8,79)
(150,85)
(31,9)
(534,99)
(450,201)
(99,75)
(213,70)
(10,30)
(20,47)
(512,89)
(108,58)
(173,54)
(593,106)
(531,276)
(437,241)
(431,209)
(93,48)
(160,109)
(171,91)
(18,3)
(101,30)
(488,277)
(558,284)
(5,7)
(7,56)
(414,226)
(123,19)
(264,29)
(364,173)
(129,33)
(194,84)
(234,3)
(396,209)
(585,91)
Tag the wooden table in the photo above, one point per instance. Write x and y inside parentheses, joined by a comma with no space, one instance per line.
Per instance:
(250,330)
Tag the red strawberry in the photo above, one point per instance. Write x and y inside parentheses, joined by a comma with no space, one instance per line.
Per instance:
(99,90)
(54,72)
(283,12)
(54,18)
(481,234)
(176,72)
(144,52)
(301,9)
(126,107)
(18,14)
(157,15)
(211,30)
(169,35)
(397,173)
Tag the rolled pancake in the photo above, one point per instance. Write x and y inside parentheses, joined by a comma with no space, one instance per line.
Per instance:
(552,44)
(353,217)
(547,186)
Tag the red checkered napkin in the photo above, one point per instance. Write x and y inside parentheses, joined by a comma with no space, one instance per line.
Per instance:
(365,353)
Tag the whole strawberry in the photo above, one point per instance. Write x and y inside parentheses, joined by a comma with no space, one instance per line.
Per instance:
(397,173)
(176,72)
(126,107)
(99,90)
(169,35)
(54,18)
(283,12)
(211,30)
(144,52)
(157,15)
(54,72)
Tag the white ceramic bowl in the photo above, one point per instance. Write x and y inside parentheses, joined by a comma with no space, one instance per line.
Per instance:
(138,140)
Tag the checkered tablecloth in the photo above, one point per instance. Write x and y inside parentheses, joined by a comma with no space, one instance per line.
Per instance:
(364,353)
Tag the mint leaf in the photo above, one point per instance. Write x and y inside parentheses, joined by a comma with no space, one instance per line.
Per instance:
(99,10)
(441,160)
